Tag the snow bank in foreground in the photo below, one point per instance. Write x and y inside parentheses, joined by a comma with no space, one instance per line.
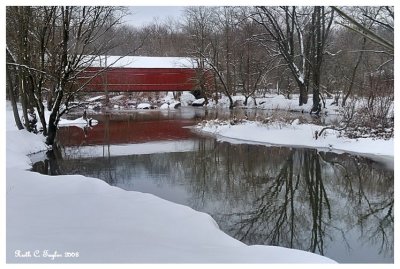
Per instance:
(299,135)
(76,219)
(102,224)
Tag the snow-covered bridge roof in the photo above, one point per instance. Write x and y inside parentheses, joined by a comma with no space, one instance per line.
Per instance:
(144,62)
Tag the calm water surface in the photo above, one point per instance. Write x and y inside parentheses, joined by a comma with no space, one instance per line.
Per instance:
(337,205)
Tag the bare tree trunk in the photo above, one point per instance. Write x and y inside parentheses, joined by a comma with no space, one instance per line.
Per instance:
(13,100)
(303,94)
(354,72)
(309,57)
(55,116)
(23,56)
(320,31)
(316,58)
(11,87)
(24,103)
(245,100)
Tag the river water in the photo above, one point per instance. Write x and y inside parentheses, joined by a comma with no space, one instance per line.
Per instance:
(337,205)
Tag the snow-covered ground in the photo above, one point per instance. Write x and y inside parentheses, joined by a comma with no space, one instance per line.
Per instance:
(76,219)
(273,101)
(295,134)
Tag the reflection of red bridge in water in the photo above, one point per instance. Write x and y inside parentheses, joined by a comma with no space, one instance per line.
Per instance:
(144,74)
(121,132)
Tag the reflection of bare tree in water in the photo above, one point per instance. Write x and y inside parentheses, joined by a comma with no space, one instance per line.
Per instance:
(203,165)
(109,175)
(266,210)
(375,214)
(52,165)
(278,217)
(370,193)
(377,224)
(318,199)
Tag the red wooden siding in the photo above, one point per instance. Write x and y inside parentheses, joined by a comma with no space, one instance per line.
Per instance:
(141,79)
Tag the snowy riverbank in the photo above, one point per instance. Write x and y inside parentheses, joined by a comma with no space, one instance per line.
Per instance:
(298,135)
(75,219)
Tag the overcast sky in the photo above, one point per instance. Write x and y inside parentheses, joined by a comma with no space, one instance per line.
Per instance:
(146,14)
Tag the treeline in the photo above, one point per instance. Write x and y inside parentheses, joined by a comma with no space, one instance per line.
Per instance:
(293,48)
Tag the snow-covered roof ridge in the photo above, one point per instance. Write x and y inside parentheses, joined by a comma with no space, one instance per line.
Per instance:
(143,62)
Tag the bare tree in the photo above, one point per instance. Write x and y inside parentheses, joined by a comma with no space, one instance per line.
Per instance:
(220,55)
(198,28)
(62,42)
(300,35)
(362,70)
(253,60)
(286,29)
(163,38)
(213,43)
(18,53)
(386,20)
(320,29)
(369,17)
(11,91)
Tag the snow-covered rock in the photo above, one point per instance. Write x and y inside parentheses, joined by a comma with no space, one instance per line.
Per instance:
(164,106)
(296,122)
(199,102)
(169,98)
(187,98)
(143,106)
(96,98)
(95,106)
(174,104)
(118,97)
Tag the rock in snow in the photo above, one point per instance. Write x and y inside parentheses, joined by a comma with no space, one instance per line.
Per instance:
(143,106)
(199,102)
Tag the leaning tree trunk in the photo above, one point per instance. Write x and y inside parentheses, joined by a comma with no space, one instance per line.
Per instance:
(354,72)
(51,130)
(54,118)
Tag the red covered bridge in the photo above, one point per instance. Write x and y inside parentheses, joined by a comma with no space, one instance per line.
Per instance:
(140,74)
